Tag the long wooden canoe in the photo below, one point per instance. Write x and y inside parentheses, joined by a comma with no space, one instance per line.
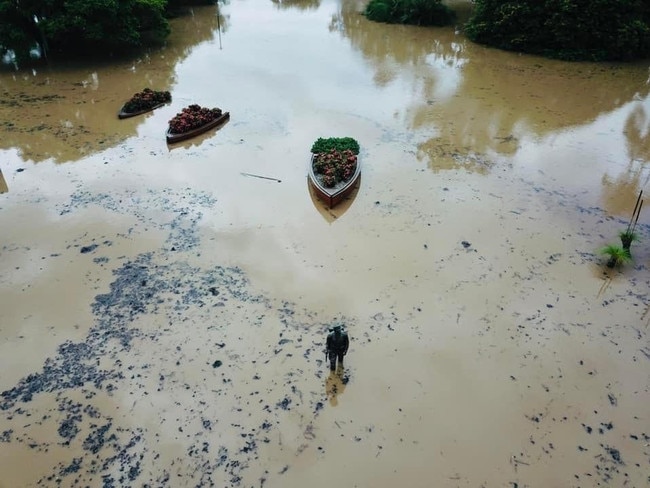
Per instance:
(123,114)
(199,130)
(333,196)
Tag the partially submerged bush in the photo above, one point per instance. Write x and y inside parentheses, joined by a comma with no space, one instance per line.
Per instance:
(617,255)
(627,238)
(414,12)
(570,29)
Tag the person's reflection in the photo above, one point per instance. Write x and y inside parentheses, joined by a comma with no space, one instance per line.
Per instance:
(335,385)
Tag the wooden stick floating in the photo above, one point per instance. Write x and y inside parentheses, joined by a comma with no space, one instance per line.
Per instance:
(263,177)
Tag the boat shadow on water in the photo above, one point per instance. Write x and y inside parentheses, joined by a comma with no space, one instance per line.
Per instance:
(3,184)
(333,213)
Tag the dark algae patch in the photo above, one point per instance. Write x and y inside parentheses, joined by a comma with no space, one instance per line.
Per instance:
(157,331)
(71,368)
(87,249)
(183,211)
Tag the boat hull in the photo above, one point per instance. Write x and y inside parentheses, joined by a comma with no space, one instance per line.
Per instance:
(333,196)
(125,115)
(199,130)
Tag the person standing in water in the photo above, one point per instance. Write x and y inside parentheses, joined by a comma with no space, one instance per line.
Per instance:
(337,346)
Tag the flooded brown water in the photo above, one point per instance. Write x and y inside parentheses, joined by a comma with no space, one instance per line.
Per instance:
(163,314)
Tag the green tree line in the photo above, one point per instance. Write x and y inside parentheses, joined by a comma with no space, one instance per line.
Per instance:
(595,30)
(72,27)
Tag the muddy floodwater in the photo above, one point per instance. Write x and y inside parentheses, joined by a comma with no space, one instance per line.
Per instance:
(163,308)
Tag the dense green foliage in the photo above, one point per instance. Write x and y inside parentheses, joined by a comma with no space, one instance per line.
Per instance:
(323,145)
(414,12)
(71,27)
(594,30)
(617,255)
(16,30)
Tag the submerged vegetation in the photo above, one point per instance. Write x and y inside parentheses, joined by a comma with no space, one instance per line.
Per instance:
(33,29)
(617,255)
(605,30)
(629,235)
(80,26)
(414,12)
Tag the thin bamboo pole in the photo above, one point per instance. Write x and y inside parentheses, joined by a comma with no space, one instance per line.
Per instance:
(637,215)
(635,210)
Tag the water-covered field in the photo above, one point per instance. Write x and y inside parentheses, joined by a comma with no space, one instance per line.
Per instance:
(163,313)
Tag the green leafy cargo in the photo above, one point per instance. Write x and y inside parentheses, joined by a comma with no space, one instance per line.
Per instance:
(323,145)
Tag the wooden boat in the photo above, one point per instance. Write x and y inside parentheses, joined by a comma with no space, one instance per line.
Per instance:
(199,130)
(125,115)
(334,195)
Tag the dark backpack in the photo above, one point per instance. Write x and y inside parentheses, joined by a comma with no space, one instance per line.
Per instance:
(338,342)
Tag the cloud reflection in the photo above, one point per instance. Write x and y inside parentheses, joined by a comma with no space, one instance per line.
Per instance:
(620,192)
(469,101)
